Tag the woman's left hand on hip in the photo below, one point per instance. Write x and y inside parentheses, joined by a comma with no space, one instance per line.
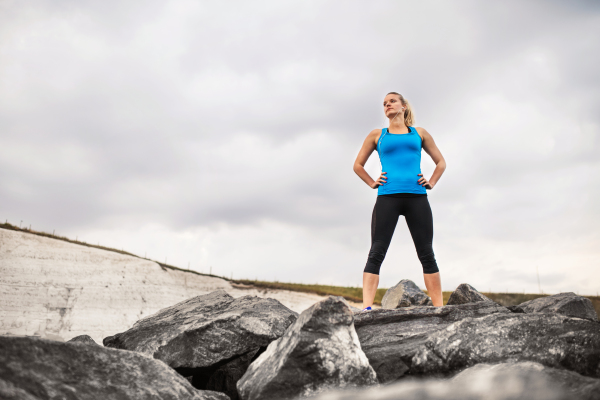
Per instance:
(424,182)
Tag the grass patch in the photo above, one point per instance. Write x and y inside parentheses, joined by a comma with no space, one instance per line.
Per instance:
(355,293)
(349,293)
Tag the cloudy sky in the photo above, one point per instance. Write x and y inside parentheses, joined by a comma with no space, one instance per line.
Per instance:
(222,134)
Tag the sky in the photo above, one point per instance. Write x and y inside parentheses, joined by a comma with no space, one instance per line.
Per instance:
(221,136)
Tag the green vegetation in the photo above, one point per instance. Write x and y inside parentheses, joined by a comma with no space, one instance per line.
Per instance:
(349,293)
(355,293)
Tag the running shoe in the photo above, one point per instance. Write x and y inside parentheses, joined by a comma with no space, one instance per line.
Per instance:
(366,309)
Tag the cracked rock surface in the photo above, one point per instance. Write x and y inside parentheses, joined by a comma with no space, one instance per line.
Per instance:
(210,338)
(391,338)
(568,304)
(33,368)
(552,340)
(320,351)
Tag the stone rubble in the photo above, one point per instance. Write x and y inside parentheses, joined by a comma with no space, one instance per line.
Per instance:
(211,338)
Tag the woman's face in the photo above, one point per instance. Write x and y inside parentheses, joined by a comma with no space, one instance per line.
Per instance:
(392,106)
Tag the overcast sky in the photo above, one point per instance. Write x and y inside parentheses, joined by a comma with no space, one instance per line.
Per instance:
(222,134)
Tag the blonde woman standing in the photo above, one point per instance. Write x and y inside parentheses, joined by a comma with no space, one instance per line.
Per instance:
(402,190)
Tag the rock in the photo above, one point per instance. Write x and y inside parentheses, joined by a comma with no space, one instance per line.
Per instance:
(211,338)
(319,351)
(550,339)
(505,381)
(405,294)
(466,293)
(83,339)
(390,338)
(568,304)
(355,310)
(32,368)
(572,384)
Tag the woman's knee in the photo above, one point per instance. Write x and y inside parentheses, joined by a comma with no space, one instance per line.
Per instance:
(428,262)
(376,257)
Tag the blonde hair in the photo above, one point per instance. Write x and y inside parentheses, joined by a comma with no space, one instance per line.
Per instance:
(409,115)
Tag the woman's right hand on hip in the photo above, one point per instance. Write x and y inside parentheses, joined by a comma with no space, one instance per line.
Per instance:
(379,182)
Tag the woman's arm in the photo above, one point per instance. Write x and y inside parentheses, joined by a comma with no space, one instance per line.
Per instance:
(436,155)
(367,148)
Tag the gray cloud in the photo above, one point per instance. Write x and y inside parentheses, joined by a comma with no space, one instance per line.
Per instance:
(201,116)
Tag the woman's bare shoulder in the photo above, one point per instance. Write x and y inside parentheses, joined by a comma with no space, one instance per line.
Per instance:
(374,134)
(422,132)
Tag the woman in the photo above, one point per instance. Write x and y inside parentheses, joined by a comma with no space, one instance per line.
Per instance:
(401,191)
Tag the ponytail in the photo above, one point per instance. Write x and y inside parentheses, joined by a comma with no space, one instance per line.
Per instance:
(409,115)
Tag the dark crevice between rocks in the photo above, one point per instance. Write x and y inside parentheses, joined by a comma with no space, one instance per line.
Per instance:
(223,376)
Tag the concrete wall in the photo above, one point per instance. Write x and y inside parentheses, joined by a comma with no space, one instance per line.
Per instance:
(58,290)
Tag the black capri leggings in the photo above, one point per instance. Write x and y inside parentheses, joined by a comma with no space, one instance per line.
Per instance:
(419,219)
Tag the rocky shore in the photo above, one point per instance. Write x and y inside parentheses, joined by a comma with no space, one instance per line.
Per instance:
(215,346)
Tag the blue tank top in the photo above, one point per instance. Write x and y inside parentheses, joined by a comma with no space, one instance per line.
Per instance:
(400,156)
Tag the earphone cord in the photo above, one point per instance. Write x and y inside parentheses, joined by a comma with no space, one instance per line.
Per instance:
(381,138)
(398,113)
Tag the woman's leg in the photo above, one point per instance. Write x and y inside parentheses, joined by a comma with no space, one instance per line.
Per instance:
(420,224)
(383,223)
(370,283)
(433,284)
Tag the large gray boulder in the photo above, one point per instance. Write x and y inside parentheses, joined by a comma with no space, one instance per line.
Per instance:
(211,339)
(404,294)
(32,368)
(505,381)
(550,339)
(466,293)
(570,384)
(391,338)
(568,304)
(320,351)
